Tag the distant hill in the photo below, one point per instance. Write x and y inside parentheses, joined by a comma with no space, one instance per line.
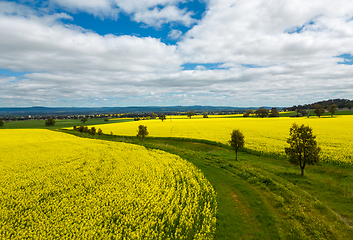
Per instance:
(44,111)
(340,103)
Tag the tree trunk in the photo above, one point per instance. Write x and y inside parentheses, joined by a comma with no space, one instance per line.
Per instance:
(236,155)
(302,171)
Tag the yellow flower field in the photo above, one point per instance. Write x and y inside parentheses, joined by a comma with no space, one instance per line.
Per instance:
(55,185)
(267,135)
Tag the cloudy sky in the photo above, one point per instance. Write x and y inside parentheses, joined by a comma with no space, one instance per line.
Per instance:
(175,52)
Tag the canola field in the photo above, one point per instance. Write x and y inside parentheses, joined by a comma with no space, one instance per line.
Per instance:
(267,135)
(55,185)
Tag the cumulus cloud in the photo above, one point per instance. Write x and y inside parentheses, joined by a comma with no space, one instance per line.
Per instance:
(157,17)
(69,62)
(174,34)
(275,53)
(101,8)
(150,12)
(257,32)
(33,43)
(296,44)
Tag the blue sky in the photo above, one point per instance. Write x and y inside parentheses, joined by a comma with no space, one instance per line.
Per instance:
(169,52)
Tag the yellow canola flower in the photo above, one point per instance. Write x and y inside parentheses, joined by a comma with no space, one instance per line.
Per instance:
(55,185)
(267,135)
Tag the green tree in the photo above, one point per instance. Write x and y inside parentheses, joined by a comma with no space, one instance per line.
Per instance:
(1,122)
(84,119)
(75,128)
(302,112)
(332,109)
(349,105)
(50,122)
(106,119)
(190,114)
(205,115)
(303,147)
(261,112)
(162,117)
(142,132)
(236,141)
(93,131)
(100,132)
(81,129)
(153,115)
(319,110)
(274,112)
(248,112)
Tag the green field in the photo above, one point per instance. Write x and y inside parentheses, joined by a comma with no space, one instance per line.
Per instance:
(58,123)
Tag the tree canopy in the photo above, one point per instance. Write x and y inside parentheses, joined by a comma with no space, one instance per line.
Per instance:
(319,110)
(302,112)
(1,122)
(84,120)
(261,112)
(236,141)
(332,109)
(190,114)
(100,132)
(162,117)
(274,112)
(50,122)
(248,112)
(303,147)
(349,105)
(142,132)
(93,131)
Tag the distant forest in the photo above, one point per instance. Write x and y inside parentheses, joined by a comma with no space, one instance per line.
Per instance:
(340,103)
(15,114)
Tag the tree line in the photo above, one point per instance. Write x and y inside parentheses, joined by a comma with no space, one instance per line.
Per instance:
(318,110)
(91,131)
(262,112)
(340,104)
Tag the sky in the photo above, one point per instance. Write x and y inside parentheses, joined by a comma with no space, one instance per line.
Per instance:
(116,53)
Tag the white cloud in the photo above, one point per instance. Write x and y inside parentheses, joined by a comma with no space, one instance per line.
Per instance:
(200,67)
(34,43)
(101,8)
(68,62)
(157,17)
(136,5)
(150,12)
(255,32)
(69,66)
(175,34)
